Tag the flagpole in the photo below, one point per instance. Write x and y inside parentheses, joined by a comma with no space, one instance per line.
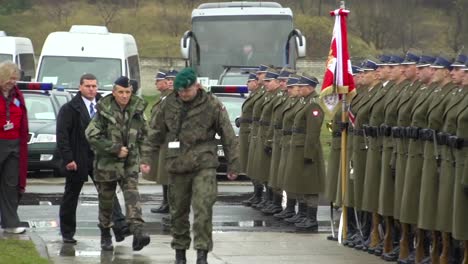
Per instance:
(344,158)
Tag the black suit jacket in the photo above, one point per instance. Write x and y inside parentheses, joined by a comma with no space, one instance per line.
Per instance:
(72,121)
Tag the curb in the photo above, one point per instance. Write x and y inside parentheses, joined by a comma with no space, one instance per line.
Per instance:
(40,244)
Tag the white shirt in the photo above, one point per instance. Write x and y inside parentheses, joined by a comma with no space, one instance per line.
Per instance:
(88,103)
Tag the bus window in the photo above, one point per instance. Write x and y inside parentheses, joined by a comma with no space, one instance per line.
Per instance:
(26,62)
(134,68)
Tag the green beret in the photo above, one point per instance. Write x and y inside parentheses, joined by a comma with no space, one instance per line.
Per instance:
(184,79)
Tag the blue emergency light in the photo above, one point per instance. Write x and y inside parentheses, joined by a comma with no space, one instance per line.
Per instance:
(240,89)
(36,86)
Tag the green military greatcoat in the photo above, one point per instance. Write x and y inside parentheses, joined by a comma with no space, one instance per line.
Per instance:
(276,123)
(333,166)
(256,112)
(246,126)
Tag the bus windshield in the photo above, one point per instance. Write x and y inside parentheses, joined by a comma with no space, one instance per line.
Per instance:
(66,71)
(6,57)
(239,40)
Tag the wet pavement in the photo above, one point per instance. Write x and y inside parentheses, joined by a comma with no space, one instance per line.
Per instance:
(241,234)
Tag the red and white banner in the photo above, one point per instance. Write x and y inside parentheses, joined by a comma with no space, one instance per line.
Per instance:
(338,77)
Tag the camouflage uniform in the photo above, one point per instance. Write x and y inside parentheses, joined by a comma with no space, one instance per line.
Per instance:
(111,129)
(192,165)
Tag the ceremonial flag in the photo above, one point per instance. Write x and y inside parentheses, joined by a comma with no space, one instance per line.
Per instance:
(338,77)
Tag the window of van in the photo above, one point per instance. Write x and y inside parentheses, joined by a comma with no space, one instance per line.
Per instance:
(26,62)
(134,67)
(6,57)
(66,71)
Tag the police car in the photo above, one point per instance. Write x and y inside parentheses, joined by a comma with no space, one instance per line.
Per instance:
(43,105)
(232,97)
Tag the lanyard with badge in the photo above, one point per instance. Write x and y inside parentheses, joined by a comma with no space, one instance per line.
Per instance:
(176,143)
(8,125)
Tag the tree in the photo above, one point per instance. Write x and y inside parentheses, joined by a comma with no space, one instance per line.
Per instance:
(108,9)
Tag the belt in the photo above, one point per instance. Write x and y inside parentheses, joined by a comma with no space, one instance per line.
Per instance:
(255,119)
(287,132)
(264,123)
(336,134)
(358,132)
(245,120)
(278,126)
(299,130)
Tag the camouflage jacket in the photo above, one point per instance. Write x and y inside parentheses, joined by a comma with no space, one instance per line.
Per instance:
(113,128)
(194,125)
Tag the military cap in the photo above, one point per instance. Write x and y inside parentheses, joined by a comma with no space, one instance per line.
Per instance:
(356,69)
(161,75)
(252,77)
(425,61)
(184,79)
(441,63)
(459,61)
(270,75)
(395,60)
(171,73)
(122,81)
(292,81)
(384,60)
(410,58)
(306,80)
(285,73)
(262,68)
(369,65)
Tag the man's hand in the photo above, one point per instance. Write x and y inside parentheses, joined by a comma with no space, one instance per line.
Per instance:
(123,152)
(145,168)
(232,176)
(71,166)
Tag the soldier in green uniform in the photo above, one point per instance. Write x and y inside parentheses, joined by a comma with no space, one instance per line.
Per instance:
(412,117)
(459,144)
(256,112)
(274,143)
(188,122)
(280,152)
(305,165)
(117,134)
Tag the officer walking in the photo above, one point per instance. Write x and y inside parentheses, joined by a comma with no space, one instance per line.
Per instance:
(117,135)
(188,122)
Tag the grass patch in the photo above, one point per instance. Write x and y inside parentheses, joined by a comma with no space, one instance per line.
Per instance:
(150,99)
(13,251)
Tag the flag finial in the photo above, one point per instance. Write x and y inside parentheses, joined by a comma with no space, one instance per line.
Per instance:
(342,4)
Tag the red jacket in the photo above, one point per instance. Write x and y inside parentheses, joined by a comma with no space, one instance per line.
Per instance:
(23,152)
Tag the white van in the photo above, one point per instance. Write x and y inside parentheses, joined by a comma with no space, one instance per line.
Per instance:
(66,56)
(20,51)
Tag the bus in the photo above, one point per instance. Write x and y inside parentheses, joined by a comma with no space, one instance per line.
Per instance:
(242,34)
(20,51)
(66,56)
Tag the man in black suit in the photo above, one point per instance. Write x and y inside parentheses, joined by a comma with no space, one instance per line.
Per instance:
(78,157)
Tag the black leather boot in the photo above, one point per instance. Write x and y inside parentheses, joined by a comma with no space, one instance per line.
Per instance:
(263,201)
(106,239)
(255,198)
(202,256)
(275,207)
(289,211)
(121,233)
(164,208)
(180,256)
(301,214)
(310,223)
(140,239)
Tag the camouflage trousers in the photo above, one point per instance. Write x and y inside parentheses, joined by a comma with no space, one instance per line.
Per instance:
(199,190)
(106,194)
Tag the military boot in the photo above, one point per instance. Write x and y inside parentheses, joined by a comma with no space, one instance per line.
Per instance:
(263,202)
(255,198)
(180,256)
(301,214)
(140,239)
(164,208)
(275,207)
(289,211)
(202,256)
(121,233)
(310,223)
(106,239)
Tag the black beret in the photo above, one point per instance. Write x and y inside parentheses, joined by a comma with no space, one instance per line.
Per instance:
(122,81)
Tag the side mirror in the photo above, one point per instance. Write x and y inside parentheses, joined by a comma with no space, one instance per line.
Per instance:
(185,45)
(134,84)
(237,121)
(301,46)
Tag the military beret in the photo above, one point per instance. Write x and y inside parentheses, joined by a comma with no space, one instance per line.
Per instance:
(270,75)
(425,61)
(306,80)
(184,79)
(369,65)
(252,77)
(459,61)
(171,73)
(262,68)
(161,75)
(285,73)
(410,58)
(395,60)
(441,63)
(292,81)
(122,81)
(384,60)
(356,69)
